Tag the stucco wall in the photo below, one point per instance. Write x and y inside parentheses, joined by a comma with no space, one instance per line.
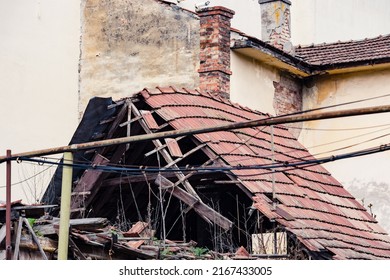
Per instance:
(318,21)
(129,45)
(252,83)
(366,177)
(315,21)
(39,49)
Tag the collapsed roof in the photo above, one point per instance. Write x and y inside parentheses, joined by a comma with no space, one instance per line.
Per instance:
(198,187)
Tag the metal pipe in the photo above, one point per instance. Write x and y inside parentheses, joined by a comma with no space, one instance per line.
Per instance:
(63,238)
(8,245)
(183,132)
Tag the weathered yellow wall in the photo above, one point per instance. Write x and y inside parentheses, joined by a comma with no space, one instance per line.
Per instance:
(367,177)
(251,84)
(129,45)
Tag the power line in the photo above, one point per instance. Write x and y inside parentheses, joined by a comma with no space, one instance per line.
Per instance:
(29,178)
(192,131)
(359,153)
(339,129)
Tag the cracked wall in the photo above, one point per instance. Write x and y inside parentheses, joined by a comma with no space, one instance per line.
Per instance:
(129,45)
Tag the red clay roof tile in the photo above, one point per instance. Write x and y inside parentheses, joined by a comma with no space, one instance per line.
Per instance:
(318,209)
(345,52)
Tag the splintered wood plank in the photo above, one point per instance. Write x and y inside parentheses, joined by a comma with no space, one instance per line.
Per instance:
(18,236)
(35,238)
(199,207)
(137,253)
(173,147)
(2,233)
(87,182)
(127,180)
(117,121)
(92,179)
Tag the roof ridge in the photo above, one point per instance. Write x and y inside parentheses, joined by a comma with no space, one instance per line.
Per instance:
(176,6)
(216,97)
(304,46)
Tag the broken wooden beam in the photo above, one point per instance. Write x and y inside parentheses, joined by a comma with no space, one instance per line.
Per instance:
(164,152)
(35,238)
(201,208)
(76,250)
(18,236)
(172,163)
(87,224)
(161,147)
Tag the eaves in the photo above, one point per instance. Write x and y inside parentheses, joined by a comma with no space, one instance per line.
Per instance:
(270,55)
(273,56)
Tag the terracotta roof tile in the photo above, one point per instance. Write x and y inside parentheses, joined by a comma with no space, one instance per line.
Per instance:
(346,52)
(311,203)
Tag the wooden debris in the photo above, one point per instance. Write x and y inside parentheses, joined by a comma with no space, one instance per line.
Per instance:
(94,238)
(35,238)
(2,233)
(18,236)
(87,224)
(76,251)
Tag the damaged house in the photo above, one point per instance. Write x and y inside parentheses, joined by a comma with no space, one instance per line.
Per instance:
(218,189)
(245,193)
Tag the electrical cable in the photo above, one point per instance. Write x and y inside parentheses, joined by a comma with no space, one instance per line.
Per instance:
(339,129)
(359,153)
(291,151)
(29,178)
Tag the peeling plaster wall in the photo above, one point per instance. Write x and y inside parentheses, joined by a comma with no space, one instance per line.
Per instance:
(366,177)
(129,45)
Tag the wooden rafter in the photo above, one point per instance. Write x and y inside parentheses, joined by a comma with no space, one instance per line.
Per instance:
(162,147)
(165,153)
(126,180)
(90,182)
(216,158)
(86,183)
(201,208)
(172,163)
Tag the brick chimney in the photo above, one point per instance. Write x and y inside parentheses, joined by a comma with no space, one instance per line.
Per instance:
(275,22)
(214,71)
